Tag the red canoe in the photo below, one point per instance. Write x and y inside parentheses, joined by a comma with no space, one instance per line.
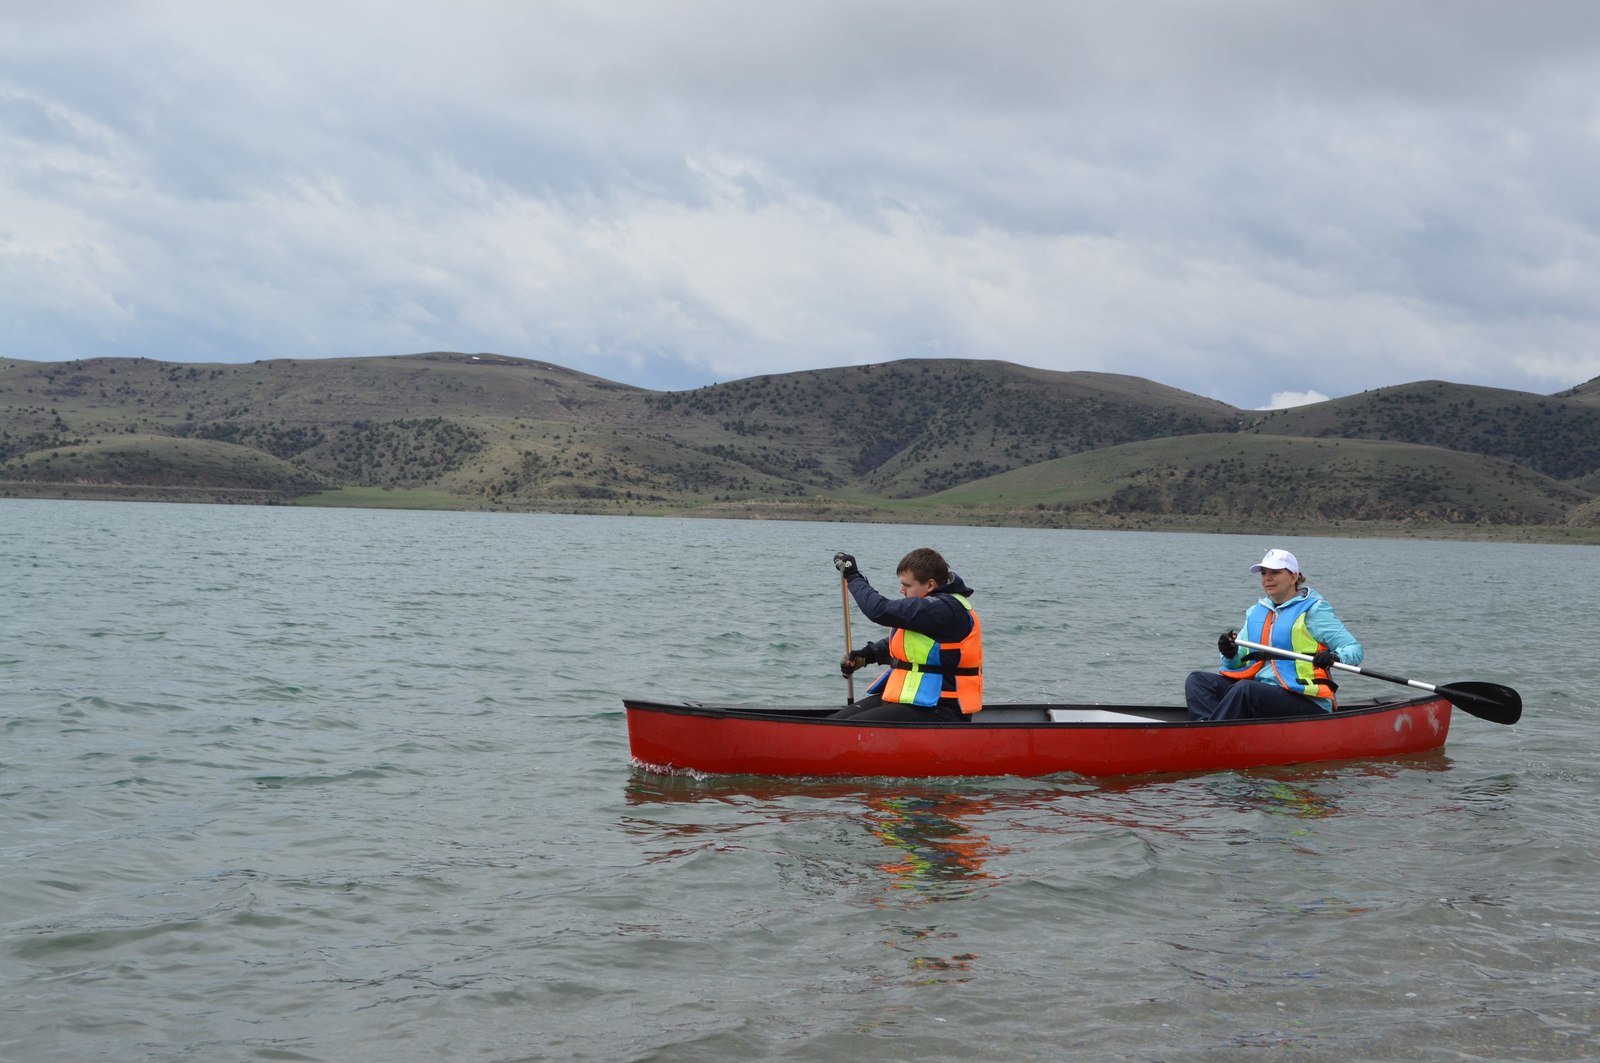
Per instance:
(1092,740)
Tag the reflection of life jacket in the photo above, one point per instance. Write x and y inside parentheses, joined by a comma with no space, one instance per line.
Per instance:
(928,673)
(933,840)
(1284,628)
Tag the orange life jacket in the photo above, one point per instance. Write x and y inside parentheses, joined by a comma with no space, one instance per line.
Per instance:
(928,673)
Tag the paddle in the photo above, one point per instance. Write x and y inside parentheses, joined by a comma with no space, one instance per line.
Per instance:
(850,680)
(1487,701)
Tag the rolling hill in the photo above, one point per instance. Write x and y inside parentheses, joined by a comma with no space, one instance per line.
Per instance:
(1275,480)
(941,440)
(1559,436)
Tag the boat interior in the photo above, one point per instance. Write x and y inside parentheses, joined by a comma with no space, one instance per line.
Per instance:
(1003,714)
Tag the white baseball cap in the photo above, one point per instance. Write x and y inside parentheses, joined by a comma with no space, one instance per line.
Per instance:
(1277,559)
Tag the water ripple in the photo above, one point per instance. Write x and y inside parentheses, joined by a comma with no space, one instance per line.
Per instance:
(330,785)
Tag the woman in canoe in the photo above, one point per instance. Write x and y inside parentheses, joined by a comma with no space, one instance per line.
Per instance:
(1290,616)
(934,654)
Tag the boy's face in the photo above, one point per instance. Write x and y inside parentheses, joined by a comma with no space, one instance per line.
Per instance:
(912,587)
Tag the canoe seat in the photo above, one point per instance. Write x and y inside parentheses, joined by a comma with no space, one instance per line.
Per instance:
(1103,716)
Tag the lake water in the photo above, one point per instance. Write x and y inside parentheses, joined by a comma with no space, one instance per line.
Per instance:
(285,784)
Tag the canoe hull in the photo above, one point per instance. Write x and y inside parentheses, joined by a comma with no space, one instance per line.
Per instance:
(1017,740)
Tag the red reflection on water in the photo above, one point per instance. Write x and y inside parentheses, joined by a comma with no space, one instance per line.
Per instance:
(938,852)
(938,838)
(927,828)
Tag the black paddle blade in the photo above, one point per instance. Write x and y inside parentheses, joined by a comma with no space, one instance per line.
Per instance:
(1487,701)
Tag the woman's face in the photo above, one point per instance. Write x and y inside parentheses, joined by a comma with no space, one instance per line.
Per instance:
(1278,584)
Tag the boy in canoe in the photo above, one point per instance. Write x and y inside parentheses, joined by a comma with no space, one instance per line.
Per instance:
(935,652)
(1290,616)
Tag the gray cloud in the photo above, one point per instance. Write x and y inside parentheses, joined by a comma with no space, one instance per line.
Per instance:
(1239,197)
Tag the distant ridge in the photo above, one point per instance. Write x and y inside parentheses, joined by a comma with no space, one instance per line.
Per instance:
(1559,436)
(919,439)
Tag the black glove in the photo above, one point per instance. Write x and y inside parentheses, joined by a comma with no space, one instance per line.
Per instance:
(846,564)
(1227,646)
(856,659)
(1324,659)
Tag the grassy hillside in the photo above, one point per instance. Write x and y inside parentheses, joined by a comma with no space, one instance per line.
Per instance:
(1588,391)
(510,431)
(913,427)
(1557,436)
(163,461)
(311,391)
(933,440)
(1281,478)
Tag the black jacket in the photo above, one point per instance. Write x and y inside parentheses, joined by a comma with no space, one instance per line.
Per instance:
(938,616)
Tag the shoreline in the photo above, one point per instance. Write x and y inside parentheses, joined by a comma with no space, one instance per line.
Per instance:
(835,510)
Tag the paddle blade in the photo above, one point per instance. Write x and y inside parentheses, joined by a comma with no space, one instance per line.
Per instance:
(1487,701)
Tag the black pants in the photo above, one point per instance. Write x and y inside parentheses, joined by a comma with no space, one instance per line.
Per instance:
(1217,697)
(874,709)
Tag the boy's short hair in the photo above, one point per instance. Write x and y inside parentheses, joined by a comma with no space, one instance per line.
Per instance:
(925,564)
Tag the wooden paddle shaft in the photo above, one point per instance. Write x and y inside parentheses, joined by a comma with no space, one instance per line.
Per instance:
(849,679)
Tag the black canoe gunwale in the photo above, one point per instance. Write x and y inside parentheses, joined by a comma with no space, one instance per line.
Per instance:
(1021,715)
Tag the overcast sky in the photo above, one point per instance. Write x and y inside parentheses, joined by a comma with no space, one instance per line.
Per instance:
(1257,200)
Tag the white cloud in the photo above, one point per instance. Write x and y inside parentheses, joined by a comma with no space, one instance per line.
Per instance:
(1287,400)
(671,194)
